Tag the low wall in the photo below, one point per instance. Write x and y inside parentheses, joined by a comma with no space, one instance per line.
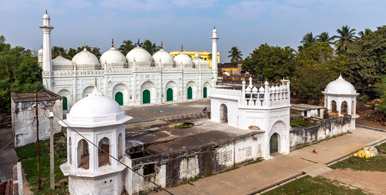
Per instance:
(324,129)
(178,166)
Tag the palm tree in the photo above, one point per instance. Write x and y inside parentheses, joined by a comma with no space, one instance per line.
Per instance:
(324,38)
(364,33)
(150,47)
(235,54)
(345,38)
(126,46)
(307,41)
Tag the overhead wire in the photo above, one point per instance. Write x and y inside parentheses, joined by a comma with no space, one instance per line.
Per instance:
(68,126)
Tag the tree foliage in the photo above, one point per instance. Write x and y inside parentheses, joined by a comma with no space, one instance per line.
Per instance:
(367,59)
(324,38)
(381,90)
(344,39)
(307,41)
(271,61)
(19,72)
(314,68)
(152,48)
(235,54)
(126,47)
(364,33)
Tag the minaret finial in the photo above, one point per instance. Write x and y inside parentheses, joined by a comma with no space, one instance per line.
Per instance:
(214,27)
(162,45)
(138,42)
(340,72)
(85,45)
(46,11)
(112,42)
(95,82)
(182,48)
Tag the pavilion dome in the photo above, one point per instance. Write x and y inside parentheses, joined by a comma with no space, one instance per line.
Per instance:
(40,52)
(86,60)
(183,59)
(95,108)
(62,61)
(165,57)
(141,56)
(340,86)
(113,58)
(199,62)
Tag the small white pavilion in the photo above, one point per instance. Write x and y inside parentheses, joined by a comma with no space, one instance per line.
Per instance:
(339,94)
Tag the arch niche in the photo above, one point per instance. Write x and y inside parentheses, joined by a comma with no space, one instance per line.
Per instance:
(83,154)
(278,138)
(88,90)
(171,91)
(205,91)
(344,108)
(103,157)
(148,93)
(66,98)
(121,94)
(223,113)
(191,90)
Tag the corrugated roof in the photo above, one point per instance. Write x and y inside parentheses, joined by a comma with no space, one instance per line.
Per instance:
(30,97)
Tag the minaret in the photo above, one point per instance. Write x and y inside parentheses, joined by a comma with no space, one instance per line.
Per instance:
(47,64)
(214,53)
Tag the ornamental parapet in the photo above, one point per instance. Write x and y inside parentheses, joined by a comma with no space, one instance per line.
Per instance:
(147,69)
(116,65)
(119,71)
(171,69)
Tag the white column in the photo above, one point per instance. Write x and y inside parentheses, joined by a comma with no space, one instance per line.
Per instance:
(47,66)
(214,53)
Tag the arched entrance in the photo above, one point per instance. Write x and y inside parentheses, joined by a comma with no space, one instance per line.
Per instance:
(64,103)
(223,113)
(344,108)
(169,94)
(274,144)
(205,93)
(190,93)
(119,98)
(146,97)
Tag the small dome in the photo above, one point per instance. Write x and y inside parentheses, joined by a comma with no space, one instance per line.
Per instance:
(40,52)
(96,108)
(165,57)
(113,58)
(199,62)
(184,59)
(61,61)
(46,16)
(142,57)
(86,60)
(340,86)
(196,55)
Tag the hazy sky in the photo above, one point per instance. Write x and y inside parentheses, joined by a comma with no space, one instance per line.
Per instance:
(245,24)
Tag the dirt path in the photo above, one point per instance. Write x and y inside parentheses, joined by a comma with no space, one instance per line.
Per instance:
(373,182)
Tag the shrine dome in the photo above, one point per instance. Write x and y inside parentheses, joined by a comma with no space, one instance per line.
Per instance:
(61,61)
(165,57)
(112,56)
(340,86)
(96,109)
(85,57)
(183,60)
(140,55)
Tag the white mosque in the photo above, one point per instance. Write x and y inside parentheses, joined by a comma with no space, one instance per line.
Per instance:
(136,79)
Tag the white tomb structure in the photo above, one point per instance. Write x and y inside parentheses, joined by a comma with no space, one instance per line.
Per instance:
(265,108)
(100,120)
(339,93)
(135,79)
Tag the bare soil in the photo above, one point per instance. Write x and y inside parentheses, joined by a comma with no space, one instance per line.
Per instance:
(373,182)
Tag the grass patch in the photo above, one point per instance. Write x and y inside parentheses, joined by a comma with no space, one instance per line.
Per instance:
(299,122)
(183,126)
(254,162)
(314,185)
(30,166)
(376,163)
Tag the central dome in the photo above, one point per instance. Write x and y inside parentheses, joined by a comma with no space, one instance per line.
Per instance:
(86,60)
(96,109)
(183,61)
(141,56)
(340,86)
(113,58)
(166,59)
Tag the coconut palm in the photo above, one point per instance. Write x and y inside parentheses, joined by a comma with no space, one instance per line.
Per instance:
(364,33)
(324,38)
(126,46)
(150,47)
(307,41)
(235,54)
(345,38)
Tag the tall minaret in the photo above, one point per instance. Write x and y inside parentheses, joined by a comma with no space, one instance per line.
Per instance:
(47,64)
(214,53)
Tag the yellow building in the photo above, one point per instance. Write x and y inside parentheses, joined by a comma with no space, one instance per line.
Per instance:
(204,55)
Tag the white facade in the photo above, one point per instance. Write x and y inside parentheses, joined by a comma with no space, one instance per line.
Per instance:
(267,109)
(129,79)
(340,91)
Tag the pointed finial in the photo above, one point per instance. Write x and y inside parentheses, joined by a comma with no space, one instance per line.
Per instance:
(85,45)
(95,82)
(182,48)
(138,41)
(162,45)
(214,27)
(112,42)
(261,84)
(340,72)
(254,84)
(46,11)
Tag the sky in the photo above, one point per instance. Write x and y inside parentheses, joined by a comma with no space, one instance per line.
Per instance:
(245,24)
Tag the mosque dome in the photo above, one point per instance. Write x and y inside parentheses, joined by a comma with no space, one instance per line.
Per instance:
(142,57)
(166,59)
(96,109)
(113,58)
(46,16)
(340,86)
(40,52)
(183,61)
(61,61)
(86,60)
(199,62)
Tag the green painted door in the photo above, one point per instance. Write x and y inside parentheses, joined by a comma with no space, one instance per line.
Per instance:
(205,93)
(64,103)
(190,93)
(146,97)
(119,98)
(273,143)
(169,94)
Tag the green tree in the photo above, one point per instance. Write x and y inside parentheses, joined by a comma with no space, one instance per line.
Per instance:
(381,90)
(366,57)
(71,53)
(364,33)
(152,48)
(307,41)
(344,39)
(56,51)
(314,68)
(235,54)
(324,37)
(126,47)
(273,62)
(19,72)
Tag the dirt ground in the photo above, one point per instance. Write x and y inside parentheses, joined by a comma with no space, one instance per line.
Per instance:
(365,122)
(373,182)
